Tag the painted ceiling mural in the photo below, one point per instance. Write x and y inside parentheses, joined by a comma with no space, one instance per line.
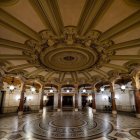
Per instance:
(69,40)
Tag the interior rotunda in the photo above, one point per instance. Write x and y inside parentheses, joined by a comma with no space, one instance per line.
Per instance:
(70,69)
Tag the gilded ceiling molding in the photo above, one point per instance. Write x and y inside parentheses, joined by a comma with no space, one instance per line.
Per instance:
(74,76)
(121,26)
(91,13)
(116,67)
(61,76)
(34,73)
(87,75)
(13,45)
(7,2)
(48,75)
(132,65)
(50,14)
(125,57)
(101,73)
(125,45)
(14,57)
(17,26)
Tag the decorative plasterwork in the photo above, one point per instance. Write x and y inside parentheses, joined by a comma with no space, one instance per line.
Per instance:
(65,53)
(50,49)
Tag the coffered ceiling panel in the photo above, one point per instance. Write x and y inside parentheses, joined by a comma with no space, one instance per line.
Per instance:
(70,11)
(24,12)
(117,11)
(10,35)
(118,62)
(130,51)
(106,69)
(18,62)
(43,73)
(130,34)
(30,69)
(9,51)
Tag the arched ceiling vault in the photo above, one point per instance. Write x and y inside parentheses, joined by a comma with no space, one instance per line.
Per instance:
(69,41)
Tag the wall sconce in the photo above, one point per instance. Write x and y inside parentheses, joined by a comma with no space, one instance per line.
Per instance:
(123,87)
(51,90)
(17,97)
(84,90)
(33,89)
(102,89)
(11,86)
(90,97)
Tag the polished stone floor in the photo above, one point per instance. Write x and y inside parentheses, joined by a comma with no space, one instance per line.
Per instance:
(82,125)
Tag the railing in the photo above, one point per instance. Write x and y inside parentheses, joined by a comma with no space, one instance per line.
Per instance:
(119,108)
(12,109)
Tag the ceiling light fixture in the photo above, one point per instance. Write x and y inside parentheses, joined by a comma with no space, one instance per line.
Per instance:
(123,87)
(33,89)
(51,90)
(84,90)
(102,89)
(12,87)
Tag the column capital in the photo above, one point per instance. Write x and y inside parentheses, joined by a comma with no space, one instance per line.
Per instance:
(135,81)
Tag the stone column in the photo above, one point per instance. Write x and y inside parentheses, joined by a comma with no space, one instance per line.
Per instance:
(41,100)
(59,99)
(93,100)
(21,103)
(114,111)
(137,102)
(1,83)
(136,85)
(76,97)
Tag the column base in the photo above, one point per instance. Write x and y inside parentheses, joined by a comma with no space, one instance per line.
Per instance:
(94,110)
(76,109)
(58,110)
(114,112)
(20,113)
(41,111)
(138,115)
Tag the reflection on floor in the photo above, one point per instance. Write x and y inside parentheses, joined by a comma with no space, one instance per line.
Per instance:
(70,125)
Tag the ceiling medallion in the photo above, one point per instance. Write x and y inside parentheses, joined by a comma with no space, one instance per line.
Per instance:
(69,52)
(68,58)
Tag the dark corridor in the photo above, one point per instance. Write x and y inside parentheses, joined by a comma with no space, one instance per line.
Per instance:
(50,101)
(67,101)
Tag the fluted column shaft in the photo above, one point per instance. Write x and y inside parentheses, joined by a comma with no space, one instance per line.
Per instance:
(21,103)
(76,97)
(114,110)
(93,100)
(137,100)
(41,100)
(59,98)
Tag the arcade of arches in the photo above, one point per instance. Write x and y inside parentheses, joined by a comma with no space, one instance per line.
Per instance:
(70,69)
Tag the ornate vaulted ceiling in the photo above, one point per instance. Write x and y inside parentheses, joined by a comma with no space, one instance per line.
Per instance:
(69,40)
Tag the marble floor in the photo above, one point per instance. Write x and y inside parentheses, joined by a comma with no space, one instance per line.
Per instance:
(82,125)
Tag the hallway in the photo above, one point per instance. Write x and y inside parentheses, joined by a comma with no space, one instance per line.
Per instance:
(69,125)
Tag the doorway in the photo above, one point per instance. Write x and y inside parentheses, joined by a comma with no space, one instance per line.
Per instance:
(50,101)
(67,101)
(1,100)
(84,101)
